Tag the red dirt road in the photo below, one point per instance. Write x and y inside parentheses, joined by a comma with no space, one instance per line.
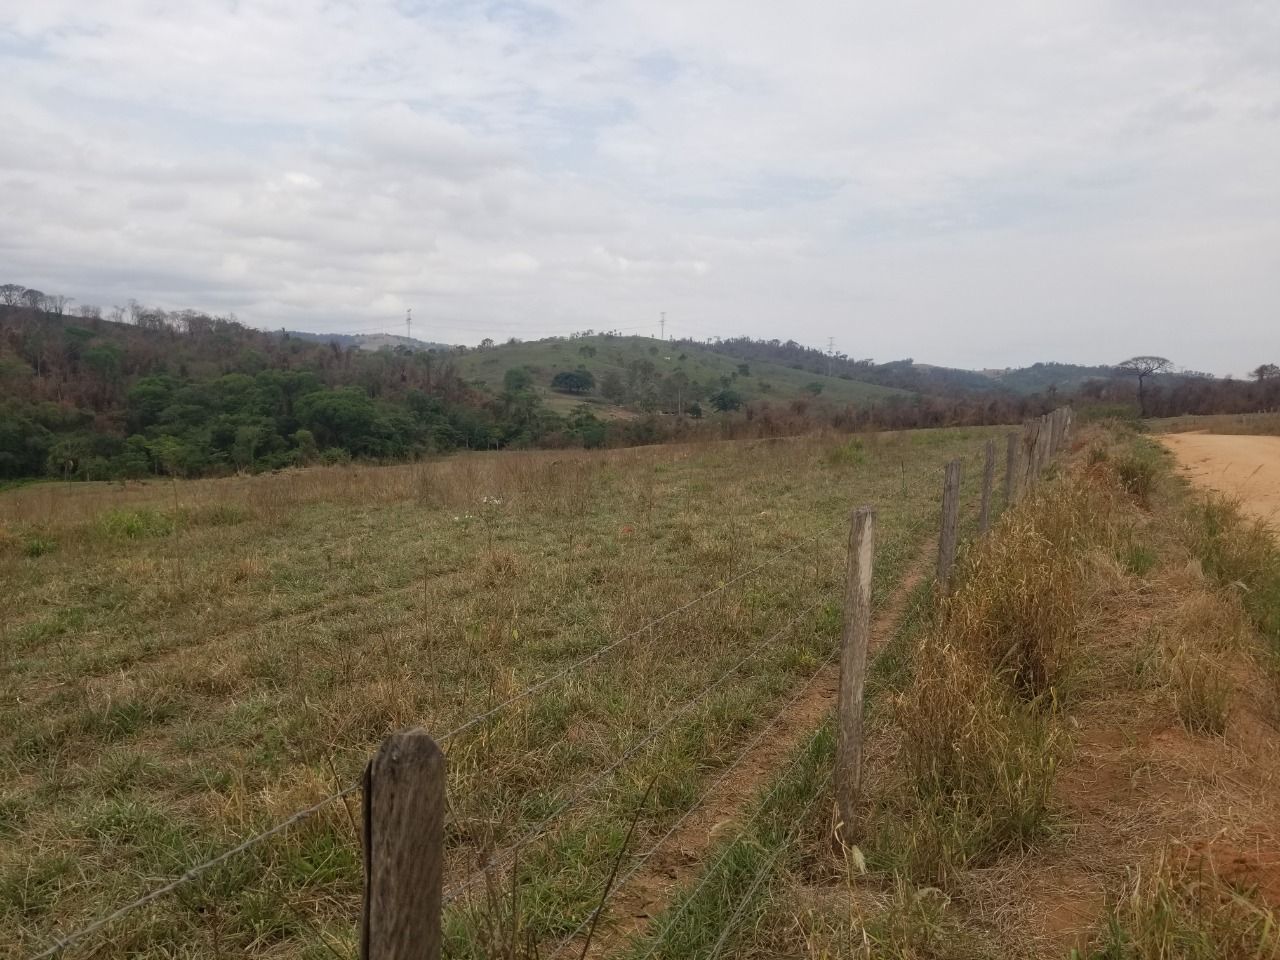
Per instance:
(1242,466)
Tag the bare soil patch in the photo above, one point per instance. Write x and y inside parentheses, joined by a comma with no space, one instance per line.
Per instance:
(1242,467)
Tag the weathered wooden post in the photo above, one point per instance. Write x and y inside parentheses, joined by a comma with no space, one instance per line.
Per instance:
(1011,468)
(950,524)
(853,669)
(988,481)
(404,808)
(1030,432)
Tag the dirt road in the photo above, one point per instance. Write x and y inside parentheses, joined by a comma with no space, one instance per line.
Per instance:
(1247,467)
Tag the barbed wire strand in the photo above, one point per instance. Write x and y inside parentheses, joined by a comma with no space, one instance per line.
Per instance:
(539,829)
(596,655)
(191,874)
(765,869)
(194,872)
(715,785)
(724,854)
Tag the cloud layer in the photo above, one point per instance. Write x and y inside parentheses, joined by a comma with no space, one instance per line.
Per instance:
(963,183)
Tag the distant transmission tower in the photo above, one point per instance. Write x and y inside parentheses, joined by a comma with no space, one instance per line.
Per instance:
(831,352)
(662,326)
(408,323)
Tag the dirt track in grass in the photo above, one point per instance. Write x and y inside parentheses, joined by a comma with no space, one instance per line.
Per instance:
(677,860)
(1242,466)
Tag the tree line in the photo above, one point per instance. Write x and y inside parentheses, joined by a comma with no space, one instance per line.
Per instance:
(136,391)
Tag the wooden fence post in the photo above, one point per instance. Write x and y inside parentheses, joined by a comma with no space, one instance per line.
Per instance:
(1029,435)
(1011,469)
(950,524)
(853,670)
(988,481)
(403,849)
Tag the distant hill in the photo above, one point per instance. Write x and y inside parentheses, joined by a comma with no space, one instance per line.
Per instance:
(644,372)
(1041,377)
(370,341)
(908,375)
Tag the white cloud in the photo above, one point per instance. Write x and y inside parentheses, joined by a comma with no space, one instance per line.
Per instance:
(968,183)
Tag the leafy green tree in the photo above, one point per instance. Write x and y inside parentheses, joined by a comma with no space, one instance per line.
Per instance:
(305,442)
(726,400)
(573,381)
(338,418)
(586,428)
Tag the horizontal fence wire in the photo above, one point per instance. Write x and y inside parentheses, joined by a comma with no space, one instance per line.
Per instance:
(596,655)
(697,805)
(724,853)
(191,873)
(765,869)
(196,871)
(538,830)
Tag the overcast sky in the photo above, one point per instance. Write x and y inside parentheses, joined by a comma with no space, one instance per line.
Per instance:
(975,184)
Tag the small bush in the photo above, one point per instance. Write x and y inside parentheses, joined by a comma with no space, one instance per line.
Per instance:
(134,524)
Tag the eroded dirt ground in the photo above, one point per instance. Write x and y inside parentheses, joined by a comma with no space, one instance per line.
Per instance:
(1242,466)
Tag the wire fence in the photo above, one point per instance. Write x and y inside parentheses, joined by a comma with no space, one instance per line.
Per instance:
(1037,448)
(62,943)
(541,827)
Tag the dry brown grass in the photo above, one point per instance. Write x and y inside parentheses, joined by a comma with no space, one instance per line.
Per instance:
(1141,725)
(187,663)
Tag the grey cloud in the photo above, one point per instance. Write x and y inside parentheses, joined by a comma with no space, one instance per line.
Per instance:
(981,184)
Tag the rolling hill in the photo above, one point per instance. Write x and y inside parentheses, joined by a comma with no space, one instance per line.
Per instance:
(629,358)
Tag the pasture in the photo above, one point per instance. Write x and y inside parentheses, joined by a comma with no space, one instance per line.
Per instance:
(188,663)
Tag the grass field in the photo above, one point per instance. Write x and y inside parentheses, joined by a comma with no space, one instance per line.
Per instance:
(1072,755)
(766,381)
(187,663)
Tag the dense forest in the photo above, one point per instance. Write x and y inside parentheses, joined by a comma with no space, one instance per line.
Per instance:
(148,392)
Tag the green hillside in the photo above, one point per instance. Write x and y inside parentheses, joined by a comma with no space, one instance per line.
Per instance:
(668,372)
